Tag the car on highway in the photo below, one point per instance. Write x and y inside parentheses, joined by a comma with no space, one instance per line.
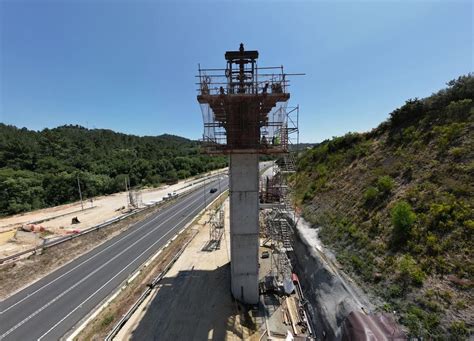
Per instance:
(213,190)
(170,196)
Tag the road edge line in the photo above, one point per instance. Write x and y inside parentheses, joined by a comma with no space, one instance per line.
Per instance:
(130,279)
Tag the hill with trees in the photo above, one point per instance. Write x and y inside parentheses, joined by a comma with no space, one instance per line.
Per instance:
(40,168)
(395,206)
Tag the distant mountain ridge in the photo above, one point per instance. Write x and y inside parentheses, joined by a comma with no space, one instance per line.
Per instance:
(40,168)
(396,207)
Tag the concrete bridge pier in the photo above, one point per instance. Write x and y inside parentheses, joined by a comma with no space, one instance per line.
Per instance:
(244,226)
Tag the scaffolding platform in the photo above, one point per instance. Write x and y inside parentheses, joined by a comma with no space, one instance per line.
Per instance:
(244,106)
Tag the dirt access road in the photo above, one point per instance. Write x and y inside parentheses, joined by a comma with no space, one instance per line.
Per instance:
(56,221)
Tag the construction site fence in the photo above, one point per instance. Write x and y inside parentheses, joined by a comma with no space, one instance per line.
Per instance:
(57,241)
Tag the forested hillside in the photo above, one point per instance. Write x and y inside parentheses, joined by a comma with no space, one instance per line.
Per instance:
(396,206)
(40,169)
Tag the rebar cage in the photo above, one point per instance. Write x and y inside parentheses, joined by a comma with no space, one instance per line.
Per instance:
(244,107)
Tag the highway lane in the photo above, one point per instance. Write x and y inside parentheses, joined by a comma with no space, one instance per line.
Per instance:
(49,308)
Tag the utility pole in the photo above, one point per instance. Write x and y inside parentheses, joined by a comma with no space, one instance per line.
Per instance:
(126,190)
(80,193)
(205,199)
(131,197)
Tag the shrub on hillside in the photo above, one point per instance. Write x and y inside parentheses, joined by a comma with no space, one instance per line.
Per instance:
(411,135)
(403,219)
(457,152)
(460,109)
(308,195)
(385,184)
(408,114)
(458,330)
(344,142)
(447,134)
(447,215)
(433,244)
(410,272)
(371,194)
(420,322)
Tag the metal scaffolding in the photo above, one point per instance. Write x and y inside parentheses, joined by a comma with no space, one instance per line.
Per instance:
(244,109)
(216,229)
(274,188)
(278,232)
(278,215)
(244,106)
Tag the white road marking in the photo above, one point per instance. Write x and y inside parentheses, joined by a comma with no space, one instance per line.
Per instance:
(95,292)
(85,261)
(93,272)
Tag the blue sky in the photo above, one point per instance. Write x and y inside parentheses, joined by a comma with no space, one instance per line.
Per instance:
(130,65)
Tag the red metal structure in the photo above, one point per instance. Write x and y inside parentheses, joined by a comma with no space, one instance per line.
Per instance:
(244,106)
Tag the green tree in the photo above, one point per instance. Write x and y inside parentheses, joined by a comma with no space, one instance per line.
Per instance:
(403,218)
(19,191)
(53,158)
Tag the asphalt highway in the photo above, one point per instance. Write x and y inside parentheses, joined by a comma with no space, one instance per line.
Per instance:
(50,307)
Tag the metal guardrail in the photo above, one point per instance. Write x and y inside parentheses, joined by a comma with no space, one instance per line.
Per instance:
(151,285)
(19,254)
(60,240)
(145,294)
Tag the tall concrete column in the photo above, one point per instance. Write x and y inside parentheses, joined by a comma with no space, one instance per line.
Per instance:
(244,226)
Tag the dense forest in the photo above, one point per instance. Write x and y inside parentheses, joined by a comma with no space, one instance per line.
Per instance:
(396,207)
(40,168)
